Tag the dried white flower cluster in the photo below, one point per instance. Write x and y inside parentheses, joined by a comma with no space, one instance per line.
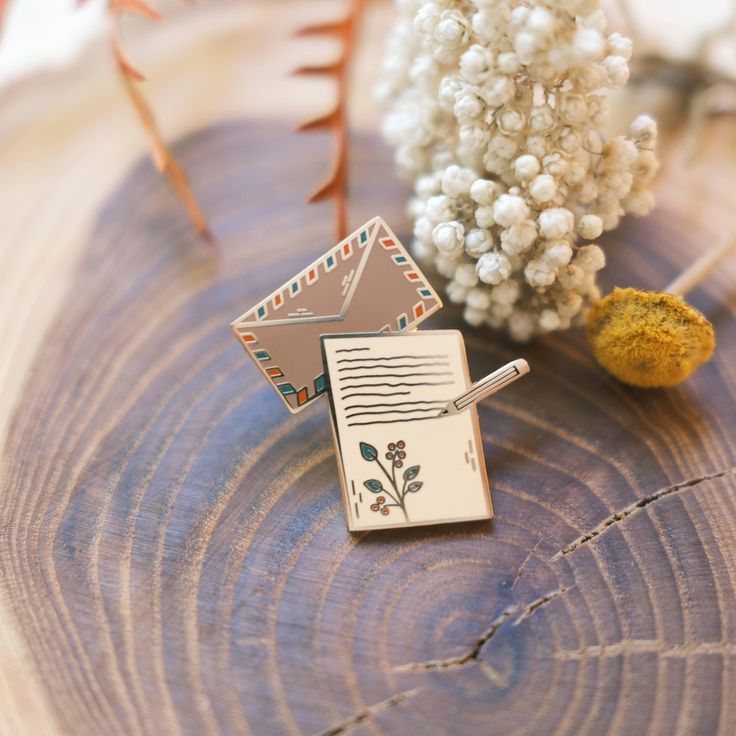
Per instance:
(495,108)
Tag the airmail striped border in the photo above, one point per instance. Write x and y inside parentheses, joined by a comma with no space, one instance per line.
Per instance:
(311,275)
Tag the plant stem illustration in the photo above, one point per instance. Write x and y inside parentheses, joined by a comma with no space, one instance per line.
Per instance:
(395,495)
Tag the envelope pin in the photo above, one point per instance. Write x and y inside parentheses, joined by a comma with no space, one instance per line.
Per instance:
(368,283)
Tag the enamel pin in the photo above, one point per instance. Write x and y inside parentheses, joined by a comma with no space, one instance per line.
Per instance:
(402,406)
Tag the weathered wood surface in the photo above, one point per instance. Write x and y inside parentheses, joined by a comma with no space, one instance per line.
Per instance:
(173,552)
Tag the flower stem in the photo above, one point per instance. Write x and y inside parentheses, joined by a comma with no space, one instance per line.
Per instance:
(391,496)
(399,501)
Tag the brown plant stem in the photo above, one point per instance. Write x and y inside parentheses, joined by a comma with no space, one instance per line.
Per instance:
(335,186)
(163,158)
(702,267)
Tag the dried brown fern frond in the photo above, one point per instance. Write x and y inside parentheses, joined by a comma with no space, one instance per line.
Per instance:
(336,185)
(163,158)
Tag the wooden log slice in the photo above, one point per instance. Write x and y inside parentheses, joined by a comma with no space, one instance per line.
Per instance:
(174,552)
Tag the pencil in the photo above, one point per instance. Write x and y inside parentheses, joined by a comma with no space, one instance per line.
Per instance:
(489,385)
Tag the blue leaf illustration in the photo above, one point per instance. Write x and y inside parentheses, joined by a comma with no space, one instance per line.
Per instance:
(368,452)
(373,485)
(414,487)
(411,473)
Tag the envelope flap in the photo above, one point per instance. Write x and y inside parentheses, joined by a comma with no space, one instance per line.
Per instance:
(301,300)
(388,274)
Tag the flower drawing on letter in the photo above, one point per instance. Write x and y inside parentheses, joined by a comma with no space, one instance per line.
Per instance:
(394,495)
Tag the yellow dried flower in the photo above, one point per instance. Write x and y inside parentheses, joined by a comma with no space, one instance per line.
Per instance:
(649,339)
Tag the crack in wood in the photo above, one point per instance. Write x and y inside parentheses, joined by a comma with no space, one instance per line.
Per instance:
(649,646)
(368,712)
(474,654)
(523,565)
(534,605)
(634,508)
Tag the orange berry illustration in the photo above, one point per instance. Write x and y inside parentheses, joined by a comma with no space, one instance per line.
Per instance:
(401,485)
